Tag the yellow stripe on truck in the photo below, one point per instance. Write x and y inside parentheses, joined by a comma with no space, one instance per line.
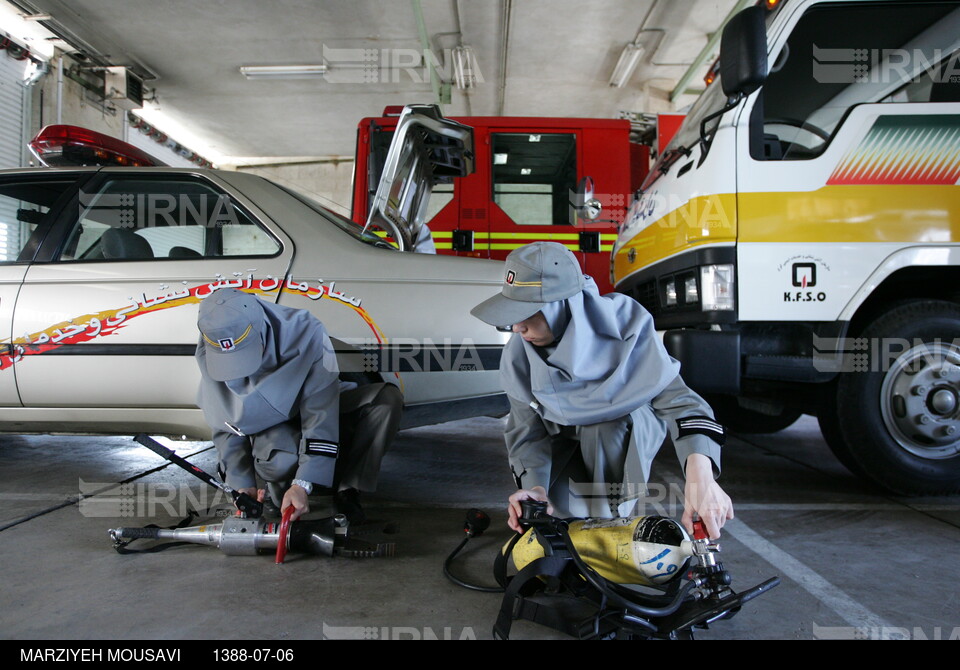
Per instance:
(913,213)
(854,213)
(705,220)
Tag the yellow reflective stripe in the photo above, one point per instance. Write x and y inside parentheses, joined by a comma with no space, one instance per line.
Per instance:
(504,247)
(535,236)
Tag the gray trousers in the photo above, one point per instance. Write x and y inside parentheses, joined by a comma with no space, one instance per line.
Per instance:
(600,470)
(369,420)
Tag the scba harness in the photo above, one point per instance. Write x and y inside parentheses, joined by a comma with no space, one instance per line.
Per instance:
(658,585)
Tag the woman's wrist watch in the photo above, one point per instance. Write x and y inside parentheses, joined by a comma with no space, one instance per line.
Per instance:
(304,484)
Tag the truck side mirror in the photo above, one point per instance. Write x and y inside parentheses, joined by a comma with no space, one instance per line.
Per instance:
(583,203)
(743,52)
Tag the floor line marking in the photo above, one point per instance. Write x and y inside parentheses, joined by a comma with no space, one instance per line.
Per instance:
(849,609)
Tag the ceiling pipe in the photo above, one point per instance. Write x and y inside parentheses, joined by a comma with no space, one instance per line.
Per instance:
(425,45)
(705,53)
(506,10)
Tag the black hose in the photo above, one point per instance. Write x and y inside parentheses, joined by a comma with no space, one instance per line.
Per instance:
(460,582)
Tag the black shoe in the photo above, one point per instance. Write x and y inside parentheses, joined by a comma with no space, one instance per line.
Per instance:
(347,502)
(270,510)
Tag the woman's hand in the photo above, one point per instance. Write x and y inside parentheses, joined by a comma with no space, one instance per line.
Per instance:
(297,497)
(704,497)
(513,508)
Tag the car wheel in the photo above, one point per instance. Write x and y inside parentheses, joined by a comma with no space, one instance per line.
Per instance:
(899,407)
(739,419)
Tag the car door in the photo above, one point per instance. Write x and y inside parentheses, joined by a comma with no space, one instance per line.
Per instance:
(28,202)
(108,310)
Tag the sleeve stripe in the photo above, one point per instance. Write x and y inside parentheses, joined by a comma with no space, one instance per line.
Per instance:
(316,447)
(702,425)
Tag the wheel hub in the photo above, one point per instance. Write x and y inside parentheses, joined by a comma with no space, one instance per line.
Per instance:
(920,400)
(942,401)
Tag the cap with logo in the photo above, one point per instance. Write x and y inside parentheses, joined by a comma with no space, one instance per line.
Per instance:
(536,274)
(231,325)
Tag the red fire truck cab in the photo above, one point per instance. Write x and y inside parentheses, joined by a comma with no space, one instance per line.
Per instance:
(524,188)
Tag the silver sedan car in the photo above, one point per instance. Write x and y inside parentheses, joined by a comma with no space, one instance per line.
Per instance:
(102,269)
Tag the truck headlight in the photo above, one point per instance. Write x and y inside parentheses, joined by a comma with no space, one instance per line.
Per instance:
(670,293)
(716,287)
(690,290)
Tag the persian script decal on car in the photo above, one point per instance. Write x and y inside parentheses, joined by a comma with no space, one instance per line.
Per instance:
(91,326)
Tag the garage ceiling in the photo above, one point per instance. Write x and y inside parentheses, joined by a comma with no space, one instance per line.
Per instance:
(534,58)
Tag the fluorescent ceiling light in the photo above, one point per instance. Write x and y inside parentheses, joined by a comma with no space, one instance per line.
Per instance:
(282,71)
(29,33)
(500,159)
(626,65)
(464,64)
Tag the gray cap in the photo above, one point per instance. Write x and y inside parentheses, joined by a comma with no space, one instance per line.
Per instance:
(536,274)
(231,325)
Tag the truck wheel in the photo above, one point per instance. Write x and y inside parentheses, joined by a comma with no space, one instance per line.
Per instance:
(830,429)
(739,419)
(900,413)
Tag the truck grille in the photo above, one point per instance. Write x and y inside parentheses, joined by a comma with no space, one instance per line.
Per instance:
(646,295)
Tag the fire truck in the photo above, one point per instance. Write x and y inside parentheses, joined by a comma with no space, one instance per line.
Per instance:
(799,239)
(532,183)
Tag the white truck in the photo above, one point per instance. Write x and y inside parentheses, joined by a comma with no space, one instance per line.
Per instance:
(798,238)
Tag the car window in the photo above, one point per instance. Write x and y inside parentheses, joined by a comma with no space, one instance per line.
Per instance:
(163,218)
(23,207)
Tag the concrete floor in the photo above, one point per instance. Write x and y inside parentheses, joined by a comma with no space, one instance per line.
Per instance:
(854,563)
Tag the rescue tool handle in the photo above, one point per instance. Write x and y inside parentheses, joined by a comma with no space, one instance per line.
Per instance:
(138,533)
(246,504)
(283,536)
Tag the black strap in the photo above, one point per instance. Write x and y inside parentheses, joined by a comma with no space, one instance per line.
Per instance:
(525,583)
(500,562)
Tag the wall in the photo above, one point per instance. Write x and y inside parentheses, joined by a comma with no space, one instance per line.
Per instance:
(328,182)
(79,107)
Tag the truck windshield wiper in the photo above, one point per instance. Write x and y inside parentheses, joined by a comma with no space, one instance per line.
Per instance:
(670,157)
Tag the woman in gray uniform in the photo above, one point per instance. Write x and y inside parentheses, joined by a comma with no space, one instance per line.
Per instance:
(270,392)
(592,395)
